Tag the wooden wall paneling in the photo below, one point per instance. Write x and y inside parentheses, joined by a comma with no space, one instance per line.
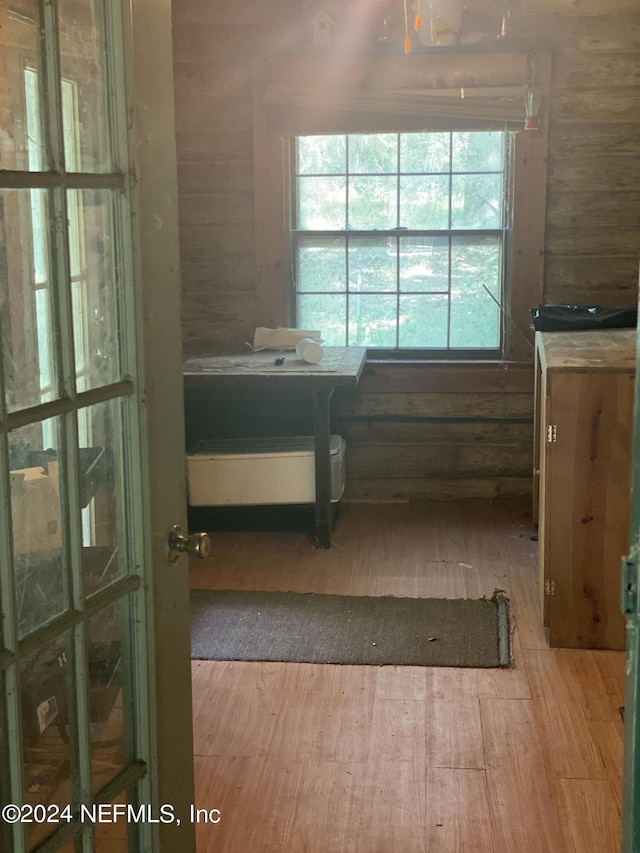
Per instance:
(230,13)
(202,41)
(588,207)
(571,141)
(448,376)
(406,461)
(204,143)
(447,69)
(236,271)
(217,180)
(223,317)
(611,32)
(594,70)
(196,210)
(595,8)
(474,433)
(210,77)
(269,211)
(211,243)
(438,489)
(590,173)
(594,280)
(613,105)
(528,234)
(595,239)
(448,406)
(591,253)
(424,430)
(591,246)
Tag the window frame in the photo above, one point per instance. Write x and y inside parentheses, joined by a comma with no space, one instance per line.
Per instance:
(396,233)
(307,107)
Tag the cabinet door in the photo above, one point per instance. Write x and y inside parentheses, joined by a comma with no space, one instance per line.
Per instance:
(587,484)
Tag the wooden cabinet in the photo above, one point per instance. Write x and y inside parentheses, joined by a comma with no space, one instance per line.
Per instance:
(582,481)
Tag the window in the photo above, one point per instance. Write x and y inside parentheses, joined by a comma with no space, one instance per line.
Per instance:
(399,239)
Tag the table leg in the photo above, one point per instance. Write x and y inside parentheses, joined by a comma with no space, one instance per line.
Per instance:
(321,402)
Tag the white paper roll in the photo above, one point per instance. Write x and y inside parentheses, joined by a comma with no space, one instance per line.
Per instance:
(309,350)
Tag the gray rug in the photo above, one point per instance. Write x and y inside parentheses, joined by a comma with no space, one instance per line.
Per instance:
(344,629)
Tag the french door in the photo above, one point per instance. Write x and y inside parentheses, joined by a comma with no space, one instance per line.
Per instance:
(95,718)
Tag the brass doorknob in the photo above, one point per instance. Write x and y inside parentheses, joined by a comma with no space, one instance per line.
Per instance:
(197,545)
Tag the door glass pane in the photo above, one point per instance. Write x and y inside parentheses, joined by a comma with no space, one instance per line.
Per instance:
(94,287)
(84,86)
(4,762)
(25,299)
(109,692)
(41,587)
(113,837)
(47,755)
(101,431)
(20,136)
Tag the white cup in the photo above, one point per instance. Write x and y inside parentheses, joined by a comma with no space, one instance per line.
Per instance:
(309,350)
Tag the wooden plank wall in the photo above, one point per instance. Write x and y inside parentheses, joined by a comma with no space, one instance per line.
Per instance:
(418,431)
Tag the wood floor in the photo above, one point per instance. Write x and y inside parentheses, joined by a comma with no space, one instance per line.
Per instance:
(347,759)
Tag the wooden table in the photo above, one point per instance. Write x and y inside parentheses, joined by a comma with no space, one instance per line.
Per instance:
(250,372)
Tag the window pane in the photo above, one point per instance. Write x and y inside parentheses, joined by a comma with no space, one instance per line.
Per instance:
(102,432)
(372,321)
(322,155)
(5,785)
(477,152)
(40,577)
(47,723)
(84,86)
(328,314)
(424,321)
(425,152)
(95,291)
(322,203)
(373,153)
(110,699)
(25,299)
(21,142)
(475,317)
(424,264)
(321,264)
(424,202)
(114,837)
(373,202)
(373,263)
(476,201)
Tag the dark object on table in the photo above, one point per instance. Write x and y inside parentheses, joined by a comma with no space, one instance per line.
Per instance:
(574,318)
